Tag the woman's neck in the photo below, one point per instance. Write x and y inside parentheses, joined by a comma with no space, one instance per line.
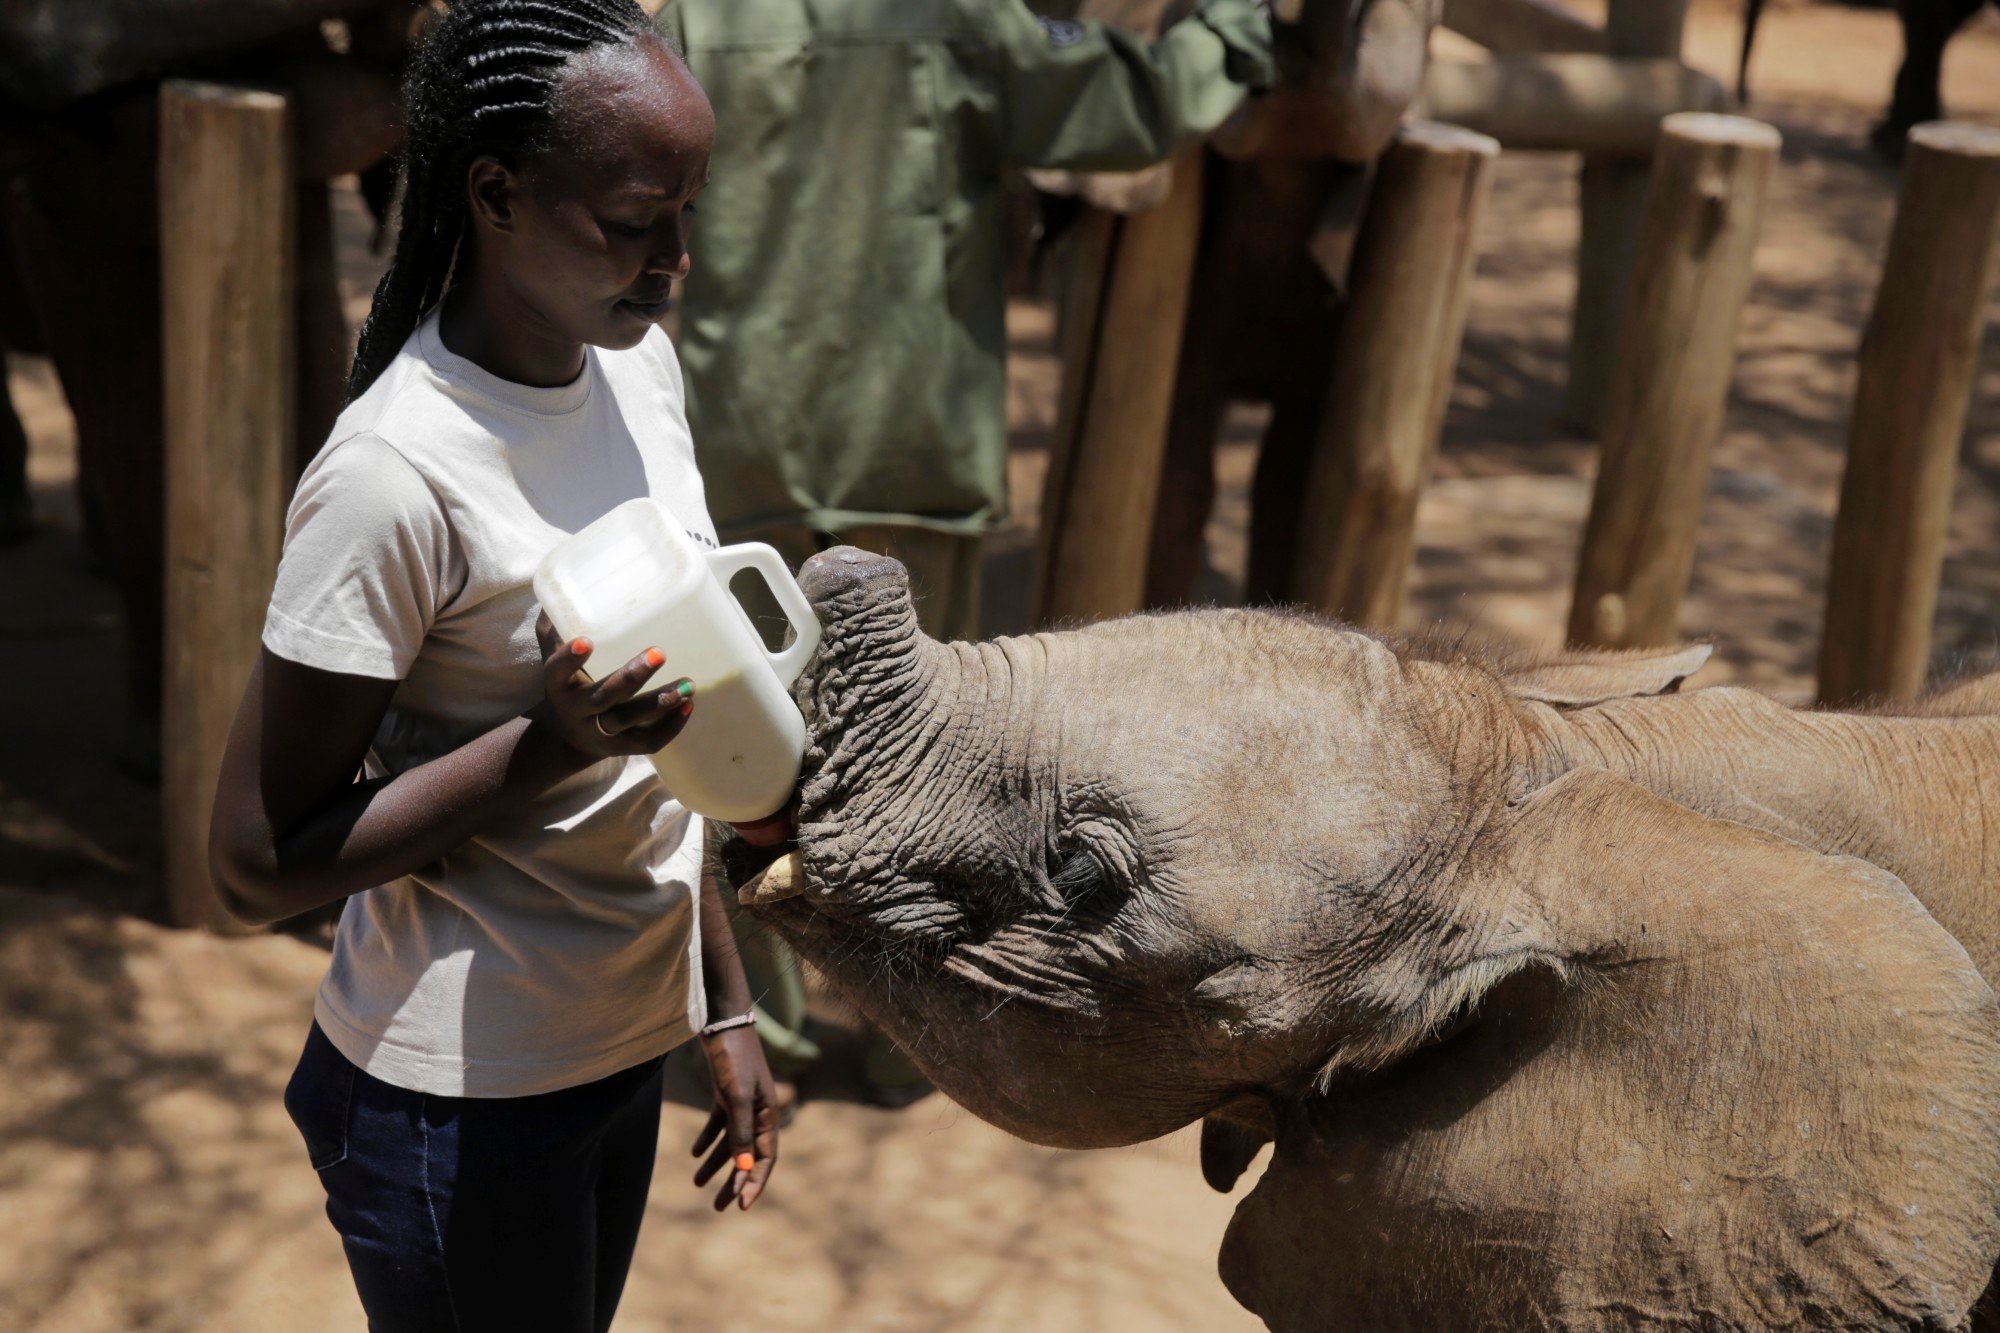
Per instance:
(490,326)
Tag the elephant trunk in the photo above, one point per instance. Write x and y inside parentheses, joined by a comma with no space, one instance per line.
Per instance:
(873,686)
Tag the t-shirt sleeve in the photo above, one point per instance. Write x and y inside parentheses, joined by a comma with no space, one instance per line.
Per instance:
(367,564)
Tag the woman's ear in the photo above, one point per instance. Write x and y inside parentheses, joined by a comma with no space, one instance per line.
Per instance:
(491,187)
(1750,1081)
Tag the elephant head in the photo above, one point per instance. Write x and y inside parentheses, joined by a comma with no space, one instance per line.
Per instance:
(1535,1038)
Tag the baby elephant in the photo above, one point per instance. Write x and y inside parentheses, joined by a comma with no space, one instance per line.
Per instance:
(1570,1001)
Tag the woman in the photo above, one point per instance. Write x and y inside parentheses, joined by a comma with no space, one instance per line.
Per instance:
(525,936)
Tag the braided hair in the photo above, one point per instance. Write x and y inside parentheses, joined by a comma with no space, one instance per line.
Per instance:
(483,83)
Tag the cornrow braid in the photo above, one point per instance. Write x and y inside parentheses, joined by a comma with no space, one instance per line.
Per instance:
(483,82)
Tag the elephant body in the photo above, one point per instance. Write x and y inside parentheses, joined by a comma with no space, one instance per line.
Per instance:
(1928,27)
(1911,796)
(58,51)
(1569,1001)
(79,237)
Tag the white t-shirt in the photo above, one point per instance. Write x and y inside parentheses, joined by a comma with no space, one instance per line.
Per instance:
(563,947)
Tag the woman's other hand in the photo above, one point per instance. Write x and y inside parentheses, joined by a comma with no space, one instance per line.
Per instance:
(605,718)
(742,1130)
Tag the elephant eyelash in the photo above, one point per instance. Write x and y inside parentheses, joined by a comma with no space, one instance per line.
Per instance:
(1078,879)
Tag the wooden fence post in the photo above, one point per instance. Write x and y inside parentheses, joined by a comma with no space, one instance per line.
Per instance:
(1122,353)
(1672,366)
(1917,362)
(1612,195)
(227,200)
(1392,373)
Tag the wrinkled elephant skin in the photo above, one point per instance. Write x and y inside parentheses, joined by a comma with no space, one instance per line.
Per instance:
(1571,1001)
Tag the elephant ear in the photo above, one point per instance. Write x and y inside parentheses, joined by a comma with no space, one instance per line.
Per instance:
(1582,678)
(1710,1077)
(1231,1137)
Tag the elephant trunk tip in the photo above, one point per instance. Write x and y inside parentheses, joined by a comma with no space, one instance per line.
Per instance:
(844,579)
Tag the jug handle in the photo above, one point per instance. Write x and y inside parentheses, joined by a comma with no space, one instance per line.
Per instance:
(726,563)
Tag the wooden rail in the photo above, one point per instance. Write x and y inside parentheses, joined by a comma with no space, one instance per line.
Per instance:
(1508,26)
(1392,373)
(1610,106)
(1671,369)
(1918,358)
(227,195)
(1595,104)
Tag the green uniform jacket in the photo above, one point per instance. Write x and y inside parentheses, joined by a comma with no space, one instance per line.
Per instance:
(842,332)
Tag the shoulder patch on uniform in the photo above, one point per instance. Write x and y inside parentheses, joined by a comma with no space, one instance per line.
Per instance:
(1061,32)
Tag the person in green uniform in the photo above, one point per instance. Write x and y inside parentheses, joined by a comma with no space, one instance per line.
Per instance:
(843,332)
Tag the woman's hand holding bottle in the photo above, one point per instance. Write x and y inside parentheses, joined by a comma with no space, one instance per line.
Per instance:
(608,717)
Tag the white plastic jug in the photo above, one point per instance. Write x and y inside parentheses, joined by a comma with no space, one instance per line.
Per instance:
(635,580)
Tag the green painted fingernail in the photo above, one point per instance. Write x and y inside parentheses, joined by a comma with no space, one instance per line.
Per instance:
(685,689)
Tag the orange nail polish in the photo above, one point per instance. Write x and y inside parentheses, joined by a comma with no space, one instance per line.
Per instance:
(581,647)
(687,708)
(745,1161)
(655,658)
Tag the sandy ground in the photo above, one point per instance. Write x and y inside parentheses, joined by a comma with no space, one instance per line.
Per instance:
(149,1179)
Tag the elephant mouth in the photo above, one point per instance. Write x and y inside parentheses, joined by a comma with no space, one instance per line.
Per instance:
(783,878)
(915,915)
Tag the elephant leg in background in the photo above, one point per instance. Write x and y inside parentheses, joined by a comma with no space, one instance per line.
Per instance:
(81,225)
(326,345)
(17,515)
(81,222)
(1287,345)
(1277,495)
(1187,469)
(1928,27)
(1261,325)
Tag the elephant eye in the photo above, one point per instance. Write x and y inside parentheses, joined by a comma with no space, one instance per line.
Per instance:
(972,903)
(1078,878)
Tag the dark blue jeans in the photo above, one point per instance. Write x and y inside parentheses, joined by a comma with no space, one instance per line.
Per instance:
(480,1213)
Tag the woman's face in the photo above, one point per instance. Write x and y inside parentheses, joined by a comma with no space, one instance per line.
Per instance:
(590,234)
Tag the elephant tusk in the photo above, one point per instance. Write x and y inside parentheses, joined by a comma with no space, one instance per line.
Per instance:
(783,878)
